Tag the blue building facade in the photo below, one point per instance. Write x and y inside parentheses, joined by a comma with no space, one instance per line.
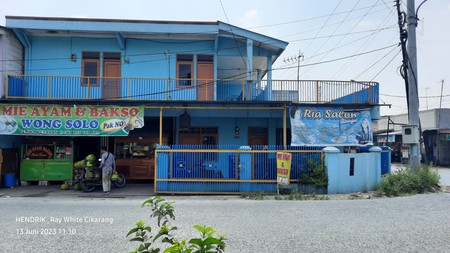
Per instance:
(199,83)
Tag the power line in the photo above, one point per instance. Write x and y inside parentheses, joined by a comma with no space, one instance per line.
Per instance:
(323,25)
(339,59)
(369,39)
(332,24)
(395,56)
(354,26)
(399,96)
(346,34)
(308,19)
(231,30)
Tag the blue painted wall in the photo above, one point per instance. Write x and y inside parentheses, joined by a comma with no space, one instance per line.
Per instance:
(147,58)
(362,96)
(367,172)
(227,126)
(10,141)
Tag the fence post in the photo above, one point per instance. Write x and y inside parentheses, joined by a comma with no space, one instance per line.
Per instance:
(245,169)
(162,168)
(332,165)
(128,88)
(7,86)
(48,86)
(243,90)
(167,89)
(374,176)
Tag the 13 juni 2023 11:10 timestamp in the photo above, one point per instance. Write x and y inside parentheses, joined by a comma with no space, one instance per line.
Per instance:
(46,231)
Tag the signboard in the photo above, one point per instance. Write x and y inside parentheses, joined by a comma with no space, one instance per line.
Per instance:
(381,138)
(39,152)
(320,126)
(54,120)
(283,168)
(445,137)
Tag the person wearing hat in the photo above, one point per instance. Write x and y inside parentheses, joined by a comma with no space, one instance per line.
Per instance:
(107,166)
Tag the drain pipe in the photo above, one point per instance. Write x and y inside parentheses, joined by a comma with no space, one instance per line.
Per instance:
(27,46)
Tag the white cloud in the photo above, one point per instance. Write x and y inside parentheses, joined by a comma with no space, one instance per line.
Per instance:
(250,19)
(252,14)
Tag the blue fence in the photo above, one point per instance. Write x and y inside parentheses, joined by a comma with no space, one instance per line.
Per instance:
(226,169)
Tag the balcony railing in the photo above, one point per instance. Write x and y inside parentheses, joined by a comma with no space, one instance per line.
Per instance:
(107,88)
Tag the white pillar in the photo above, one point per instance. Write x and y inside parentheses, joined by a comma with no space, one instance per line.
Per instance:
(249,59)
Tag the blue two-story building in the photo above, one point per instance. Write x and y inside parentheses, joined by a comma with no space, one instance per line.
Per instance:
(134,84)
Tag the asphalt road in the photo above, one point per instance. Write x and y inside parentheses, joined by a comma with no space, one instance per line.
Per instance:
(406,224)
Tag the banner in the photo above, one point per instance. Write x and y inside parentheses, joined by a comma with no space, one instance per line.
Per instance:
(320,126)
(283,168)
(55,120)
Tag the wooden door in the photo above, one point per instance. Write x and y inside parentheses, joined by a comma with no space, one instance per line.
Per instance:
(205,81)
(257,136)
(188,138)
(111,79)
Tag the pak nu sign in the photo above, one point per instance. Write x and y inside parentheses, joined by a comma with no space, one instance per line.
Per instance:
(320,126)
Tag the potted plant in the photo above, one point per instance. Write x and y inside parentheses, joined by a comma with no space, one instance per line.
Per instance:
(313,178)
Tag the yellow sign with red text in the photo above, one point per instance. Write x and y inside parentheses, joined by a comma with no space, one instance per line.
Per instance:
(283,168)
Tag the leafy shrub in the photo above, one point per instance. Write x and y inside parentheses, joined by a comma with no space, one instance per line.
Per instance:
(208,242)
(314,173)
(403,182)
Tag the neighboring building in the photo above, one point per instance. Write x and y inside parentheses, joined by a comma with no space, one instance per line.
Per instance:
(435,125)
(132,84)
(11,62)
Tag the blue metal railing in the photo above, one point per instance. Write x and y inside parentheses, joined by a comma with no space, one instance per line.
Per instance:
(76,87)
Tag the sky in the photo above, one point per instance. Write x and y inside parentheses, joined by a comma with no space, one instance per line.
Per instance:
(339,39)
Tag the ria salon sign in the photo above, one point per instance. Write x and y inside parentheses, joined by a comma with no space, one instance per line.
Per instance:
(322,126)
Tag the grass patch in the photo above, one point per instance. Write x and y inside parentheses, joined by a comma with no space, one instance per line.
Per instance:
(300,196)
(405,182)
(253,195)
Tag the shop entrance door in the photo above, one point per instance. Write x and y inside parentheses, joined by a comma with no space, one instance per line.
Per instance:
(111,76)
(257,136)
(205,81)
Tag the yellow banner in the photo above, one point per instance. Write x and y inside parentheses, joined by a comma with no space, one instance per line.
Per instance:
(283,168)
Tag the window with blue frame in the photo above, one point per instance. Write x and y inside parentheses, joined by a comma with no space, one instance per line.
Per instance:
(185,63)
(90,68)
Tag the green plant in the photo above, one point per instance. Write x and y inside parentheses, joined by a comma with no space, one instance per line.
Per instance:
(403,182)
(253,195)
(314,173)
(208,242)
(295,195)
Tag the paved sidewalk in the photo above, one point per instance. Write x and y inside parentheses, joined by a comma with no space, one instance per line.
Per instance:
(130,190)
(136,190)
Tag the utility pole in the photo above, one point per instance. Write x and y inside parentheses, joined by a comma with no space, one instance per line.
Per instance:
(413,114)
(439,126)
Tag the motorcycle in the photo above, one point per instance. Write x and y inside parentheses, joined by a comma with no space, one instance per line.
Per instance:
(92,177)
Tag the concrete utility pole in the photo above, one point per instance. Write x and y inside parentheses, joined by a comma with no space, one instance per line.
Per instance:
(413,114)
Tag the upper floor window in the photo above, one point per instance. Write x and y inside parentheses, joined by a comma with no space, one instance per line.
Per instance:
(90,68)
(205,58)
(185,70)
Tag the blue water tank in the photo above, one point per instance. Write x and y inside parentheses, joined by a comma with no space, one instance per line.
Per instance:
(385,160)
(9,180)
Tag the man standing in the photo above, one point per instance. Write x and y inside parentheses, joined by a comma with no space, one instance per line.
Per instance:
(107,166)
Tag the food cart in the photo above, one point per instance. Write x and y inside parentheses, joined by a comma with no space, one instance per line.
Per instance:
(46,161)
